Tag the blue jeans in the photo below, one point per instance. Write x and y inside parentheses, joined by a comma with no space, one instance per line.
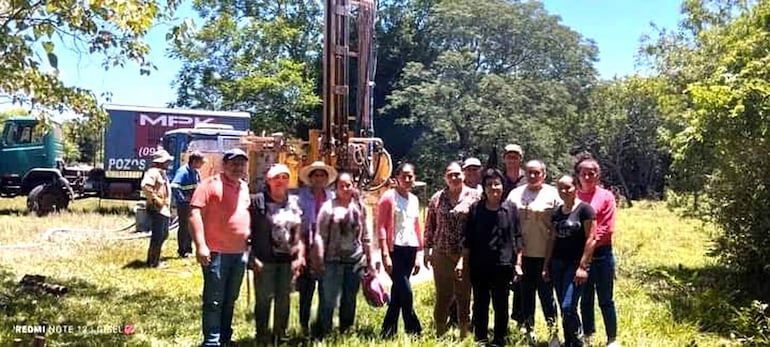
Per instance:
(221,285)
(568,295)
(340,283)
(601,280)
(533,281)
(306,285)
(159,233)
(272,285)
(183,236)
(401,297)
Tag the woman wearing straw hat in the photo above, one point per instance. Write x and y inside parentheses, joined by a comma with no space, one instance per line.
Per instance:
(157,191)
(316,178)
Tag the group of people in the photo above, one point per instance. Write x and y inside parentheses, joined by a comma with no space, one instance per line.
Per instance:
(486,234)
(490,232)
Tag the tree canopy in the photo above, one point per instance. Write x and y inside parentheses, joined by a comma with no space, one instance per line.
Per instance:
(34,33)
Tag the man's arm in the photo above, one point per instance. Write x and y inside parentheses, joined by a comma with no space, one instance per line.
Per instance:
(202,252)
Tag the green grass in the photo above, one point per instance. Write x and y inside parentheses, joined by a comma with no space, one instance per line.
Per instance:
(658,253)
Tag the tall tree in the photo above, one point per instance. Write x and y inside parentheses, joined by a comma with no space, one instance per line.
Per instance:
(621,130)
(33,33)
(505,72)
(256,56)
(726,121)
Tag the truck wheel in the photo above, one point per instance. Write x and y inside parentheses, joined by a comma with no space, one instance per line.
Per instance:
(47,198)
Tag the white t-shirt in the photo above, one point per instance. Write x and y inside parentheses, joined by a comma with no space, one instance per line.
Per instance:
(407,212)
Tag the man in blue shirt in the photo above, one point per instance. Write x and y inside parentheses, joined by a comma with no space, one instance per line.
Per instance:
(183,185)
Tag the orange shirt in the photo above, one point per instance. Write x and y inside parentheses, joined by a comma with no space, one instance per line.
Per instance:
(224,208)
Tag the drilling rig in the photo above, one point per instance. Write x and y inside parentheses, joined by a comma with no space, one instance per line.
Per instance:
(346,139)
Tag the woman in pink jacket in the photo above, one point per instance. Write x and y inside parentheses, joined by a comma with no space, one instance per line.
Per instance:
(400,239)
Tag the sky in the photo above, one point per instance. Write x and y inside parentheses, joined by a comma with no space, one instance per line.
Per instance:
(614,25)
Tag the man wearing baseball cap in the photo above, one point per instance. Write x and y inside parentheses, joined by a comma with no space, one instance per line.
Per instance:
(472,173)
(514,175)
(157,190)
(220,224)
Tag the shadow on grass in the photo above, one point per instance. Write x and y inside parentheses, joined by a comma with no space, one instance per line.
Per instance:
(101,312)
(714,298)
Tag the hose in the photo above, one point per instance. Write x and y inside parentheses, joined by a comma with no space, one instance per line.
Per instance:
(48,234)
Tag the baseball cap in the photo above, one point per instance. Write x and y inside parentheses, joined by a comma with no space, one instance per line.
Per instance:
(471,162)
(234,153)
(277,169)
(514,148)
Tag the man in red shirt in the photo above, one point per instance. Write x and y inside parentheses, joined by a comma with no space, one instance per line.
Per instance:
(220,224)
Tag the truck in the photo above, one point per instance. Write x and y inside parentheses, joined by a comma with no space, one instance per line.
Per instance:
(32,165)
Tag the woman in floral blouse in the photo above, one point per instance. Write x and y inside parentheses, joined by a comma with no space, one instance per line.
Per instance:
(444,224)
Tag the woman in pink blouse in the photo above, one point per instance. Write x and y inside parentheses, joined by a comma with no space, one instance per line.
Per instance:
(400,239)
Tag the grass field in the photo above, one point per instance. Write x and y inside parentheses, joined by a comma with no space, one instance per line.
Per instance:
(656,251)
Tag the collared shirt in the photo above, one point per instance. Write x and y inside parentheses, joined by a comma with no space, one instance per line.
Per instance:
(155,184)
(535,208)
(184,184)
(311,205)
(224,208)
(445,220)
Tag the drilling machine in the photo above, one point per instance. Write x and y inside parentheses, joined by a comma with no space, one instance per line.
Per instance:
(346,139)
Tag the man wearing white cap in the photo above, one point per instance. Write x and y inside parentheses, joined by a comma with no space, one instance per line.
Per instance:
(220,224)
(157,190)
(472,173)
(317,177)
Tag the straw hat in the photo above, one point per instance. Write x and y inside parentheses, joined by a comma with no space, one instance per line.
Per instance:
(304,173)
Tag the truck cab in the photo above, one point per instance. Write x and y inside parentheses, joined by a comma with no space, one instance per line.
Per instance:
(210,139)
(32,164)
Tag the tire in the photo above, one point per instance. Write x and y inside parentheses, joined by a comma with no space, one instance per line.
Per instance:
(47,198)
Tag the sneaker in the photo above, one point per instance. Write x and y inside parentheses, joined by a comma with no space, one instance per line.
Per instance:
(613,344)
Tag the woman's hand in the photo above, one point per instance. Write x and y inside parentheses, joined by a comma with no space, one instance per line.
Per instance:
(517,273)
(581,276)
(387,263)
(459,270)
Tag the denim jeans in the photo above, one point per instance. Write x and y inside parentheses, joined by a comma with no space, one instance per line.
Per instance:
(533,281)
(341,284)
(401,297)
(306,286)
(601,280)
(159,233)
(272,285)
(183,236)
(222,280)
(568,294)
(491,283)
